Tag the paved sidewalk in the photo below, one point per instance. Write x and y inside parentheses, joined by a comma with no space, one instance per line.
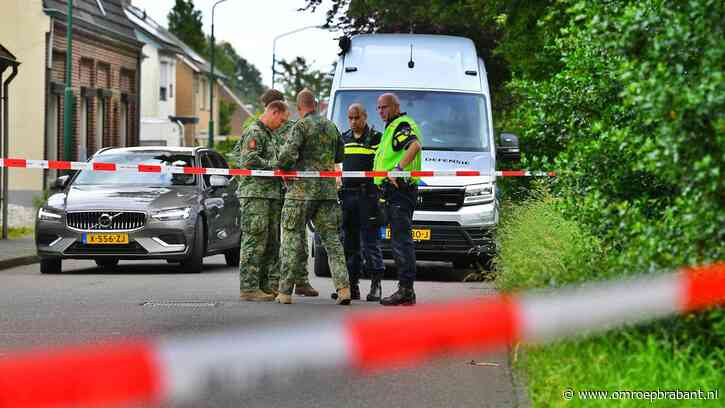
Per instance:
(17,252)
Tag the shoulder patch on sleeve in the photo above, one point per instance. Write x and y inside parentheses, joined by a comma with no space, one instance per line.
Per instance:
(252,144)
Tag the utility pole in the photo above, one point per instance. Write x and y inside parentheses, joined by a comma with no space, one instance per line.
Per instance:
(68,96)
(212,79)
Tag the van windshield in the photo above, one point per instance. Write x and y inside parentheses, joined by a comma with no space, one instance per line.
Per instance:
(448,121)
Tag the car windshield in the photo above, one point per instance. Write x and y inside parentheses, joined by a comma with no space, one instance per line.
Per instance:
(447,121)
(127,178)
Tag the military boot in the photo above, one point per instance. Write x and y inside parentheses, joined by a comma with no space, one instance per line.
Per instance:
(283,298)
(354,293)
(376,291)
(305,289)
(405,296)
(272,289)
(255,296)
(343,296)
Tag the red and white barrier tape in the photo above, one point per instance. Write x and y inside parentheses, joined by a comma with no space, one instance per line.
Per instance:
(180,369)
(154,168)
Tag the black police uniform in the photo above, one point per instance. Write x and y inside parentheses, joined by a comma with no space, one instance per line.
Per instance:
(361,215)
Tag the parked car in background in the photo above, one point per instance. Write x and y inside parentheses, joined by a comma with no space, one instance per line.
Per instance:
(111,216)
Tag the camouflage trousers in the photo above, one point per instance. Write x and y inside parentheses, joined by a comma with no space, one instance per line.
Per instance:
(300,272)
(326,217)
(259,252)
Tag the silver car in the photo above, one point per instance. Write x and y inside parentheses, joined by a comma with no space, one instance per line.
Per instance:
(108,216)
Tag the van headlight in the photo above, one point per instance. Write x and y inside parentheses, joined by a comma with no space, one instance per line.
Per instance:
(478,194)
(172,214)
(47,214)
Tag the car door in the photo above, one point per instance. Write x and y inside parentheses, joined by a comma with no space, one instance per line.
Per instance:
(213,200)
(231,216)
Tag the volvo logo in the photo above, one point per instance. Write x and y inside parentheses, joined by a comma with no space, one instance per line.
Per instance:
(106,220)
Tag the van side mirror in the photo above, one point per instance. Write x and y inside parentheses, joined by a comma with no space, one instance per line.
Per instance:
(60,183)
(508,148)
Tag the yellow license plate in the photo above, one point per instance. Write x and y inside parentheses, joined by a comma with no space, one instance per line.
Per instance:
(418,234)
(105,239)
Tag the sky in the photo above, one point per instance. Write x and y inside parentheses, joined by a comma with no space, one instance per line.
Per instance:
(251,25)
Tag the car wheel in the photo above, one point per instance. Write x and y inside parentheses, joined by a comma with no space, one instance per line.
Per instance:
(322,267)
(195,261)
(106,262)
(50,265)
(232,256)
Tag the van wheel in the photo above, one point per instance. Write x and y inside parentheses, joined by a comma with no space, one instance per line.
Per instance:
(232,256)
(322,267)
(194,263)
(50,266)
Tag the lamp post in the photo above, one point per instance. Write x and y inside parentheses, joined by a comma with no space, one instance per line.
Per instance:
(68,96)
(212,79)
(274,45)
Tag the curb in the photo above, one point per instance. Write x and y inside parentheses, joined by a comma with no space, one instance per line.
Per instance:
(18,261)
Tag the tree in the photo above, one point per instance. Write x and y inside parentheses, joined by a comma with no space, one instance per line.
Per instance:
(226,110)
(185,23)
(242,77)
(297,75)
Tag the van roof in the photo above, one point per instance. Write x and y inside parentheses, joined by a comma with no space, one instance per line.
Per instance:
(381,61)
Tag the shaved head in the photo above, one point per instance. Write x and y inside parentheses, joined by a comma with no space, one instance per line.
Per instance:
(388,106)
(357,108)
(306,99)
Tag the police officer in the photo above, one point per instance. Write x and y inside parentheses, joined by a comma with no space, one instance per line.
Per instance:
(360,215)
(313,144)
(302,282)
(399,150)
(260,205)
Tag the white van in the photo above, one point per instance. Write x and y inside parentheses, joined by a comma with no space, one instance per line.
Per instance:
(442,85)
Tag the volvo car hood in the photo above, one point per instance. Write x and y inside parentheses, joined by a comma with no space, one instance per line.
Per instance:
(128,198)
(454,161)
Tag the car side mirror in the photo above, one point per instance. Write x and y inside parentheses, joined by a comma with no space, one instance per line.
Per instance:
(218,181)
(508,149)
(60,183)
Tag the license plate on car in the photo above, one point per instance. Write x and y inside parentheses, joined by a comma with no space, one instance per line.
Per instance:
(418,234)
(105,239)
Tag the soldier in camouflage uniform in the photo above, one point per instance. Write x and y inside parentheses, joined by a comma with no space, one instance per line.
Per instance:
(302,282)
(260,205)
(313,144)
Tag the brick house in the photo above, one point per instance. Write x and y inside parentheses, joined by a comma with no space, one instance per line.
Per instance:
(105,82)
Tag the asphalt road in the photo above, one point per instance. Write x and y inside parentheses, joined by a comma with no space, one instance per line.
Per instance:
(86,303)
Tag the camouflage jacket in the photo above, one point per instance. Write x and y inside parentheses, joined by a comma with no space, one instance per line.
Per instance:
(282,132)
(258,151)
(313,144)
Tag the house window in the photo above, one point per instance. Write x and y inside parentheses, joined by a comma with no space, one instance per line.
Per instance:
(204,94)
(83,130)
(164,81)
(100,122)
(123,125)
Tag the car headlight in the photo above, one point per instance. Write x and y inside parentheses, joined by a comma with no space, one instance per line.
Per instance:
(478,194)
(47,214)
(172,214)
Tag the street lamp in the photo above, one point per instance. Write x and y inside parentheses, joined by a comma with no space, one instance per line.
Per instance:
(212,79)
(274,45)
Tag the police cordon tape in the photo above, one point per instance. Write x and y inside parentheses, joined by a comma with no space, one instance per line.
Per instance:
(174,370)
(153,168)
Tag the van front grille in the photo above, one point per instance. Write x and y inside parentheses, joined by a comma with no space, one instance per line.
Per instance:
(106,220)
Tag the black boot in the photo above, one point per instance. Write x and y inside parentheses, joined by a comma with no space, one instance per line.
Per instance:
(405,296)
(354,293)
(376,291)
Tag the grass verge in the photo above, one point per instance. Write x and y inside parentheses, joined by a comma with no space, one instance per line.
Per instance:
(539,248)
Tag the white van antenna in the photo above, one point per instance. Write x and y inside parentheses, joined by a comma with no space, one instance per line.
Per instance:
(411,63)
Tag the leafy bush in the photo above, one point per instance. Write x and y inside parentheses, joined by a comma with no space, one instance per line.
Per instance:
(635,124)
